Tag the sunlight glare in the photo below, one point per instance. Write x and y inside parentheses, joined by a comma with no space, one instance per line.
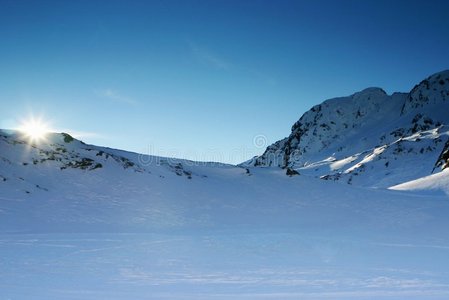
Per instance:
(34,129)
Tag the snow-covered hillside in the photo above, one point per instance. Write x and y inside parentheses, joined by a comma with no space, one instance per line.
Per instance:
(430,184)
(370,138)
(84,222)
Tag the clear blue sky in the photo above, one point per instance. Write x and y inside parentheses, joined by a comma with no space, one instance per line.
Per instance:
(201,79)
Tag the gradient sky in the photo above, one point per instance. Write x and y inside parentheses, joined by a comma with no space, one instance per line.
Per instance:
(201,79)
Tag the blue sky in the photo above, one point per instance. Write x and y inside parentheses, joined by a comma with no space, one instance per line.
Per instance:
(203,79)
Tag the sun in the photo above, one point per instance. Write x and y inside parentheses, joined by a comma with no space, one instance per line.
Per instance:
(34,129)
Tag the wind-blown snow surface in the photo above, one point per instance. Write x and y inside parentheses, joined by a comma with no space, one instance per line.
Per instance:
(430,184)
(85,222)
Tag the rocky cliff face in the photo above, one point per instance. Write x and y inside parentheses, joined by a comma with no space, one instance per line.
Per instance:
(370,138)
(431,91)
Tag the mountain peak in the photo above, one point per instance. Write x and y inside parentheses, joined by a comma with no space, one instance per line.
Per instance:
(442,74)
(371,91)
(433,90)
(369,138)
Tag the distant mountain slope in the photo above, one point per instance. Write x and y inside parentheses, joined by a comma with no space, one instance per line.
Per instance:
(370,138)
(23,160)
(61,180)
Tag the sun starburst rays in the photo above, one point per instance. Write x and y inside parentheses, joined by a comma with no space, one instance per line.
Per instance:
(34,129)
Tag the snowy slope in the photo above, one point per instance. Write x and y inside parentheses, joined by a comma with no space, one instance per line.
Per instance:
(369,138)
(79,221)
(430,184)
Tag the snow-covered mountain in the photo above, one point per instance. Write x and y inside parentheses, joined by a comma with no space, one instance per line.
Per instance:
(84,222)
(370,138)
(79,221)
